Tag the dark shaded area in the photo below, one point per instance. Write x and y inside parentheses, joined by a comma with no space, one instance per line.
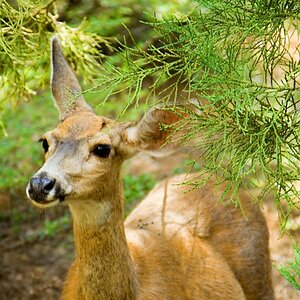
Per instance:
(33,261)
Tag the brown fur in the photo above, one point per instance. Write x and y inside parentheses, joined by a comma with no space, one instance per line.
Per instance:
(174,245)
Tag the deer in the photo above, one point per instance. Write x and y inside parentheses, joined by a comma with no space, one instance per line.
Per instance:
(176,244)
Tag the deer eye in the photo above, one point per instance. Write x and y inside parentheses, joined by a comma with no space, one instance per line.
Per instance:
(45,144)
(102,150)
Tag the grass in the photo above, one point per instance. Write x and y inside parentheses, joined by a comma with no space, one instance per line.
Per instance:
(291,271)
(20,152)
(135,188)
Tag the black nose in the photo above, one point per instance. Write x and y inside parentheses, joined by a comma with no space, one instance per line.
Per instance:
(39,187)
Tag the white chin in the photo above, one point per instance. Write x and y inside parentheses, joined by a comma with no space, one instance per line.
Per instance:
(45,204)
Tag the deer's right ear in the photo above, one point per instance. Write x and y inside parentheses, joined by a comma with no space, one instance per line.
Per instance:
(65,87)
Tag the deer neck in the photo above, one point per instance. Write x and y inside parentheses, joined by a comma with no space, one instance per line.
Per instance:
(104,266)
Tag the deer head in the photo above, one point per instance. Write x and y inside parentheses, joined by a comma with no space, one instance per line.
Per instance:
(84,153)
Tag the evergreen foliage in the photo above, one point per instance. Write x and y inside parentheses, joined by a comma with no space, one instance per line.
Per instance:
(238,58)
(26,27)
(291,272)
(25,31)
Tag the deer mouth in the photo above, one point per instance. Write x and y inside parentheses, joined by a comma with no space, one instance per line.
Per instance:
(45,204)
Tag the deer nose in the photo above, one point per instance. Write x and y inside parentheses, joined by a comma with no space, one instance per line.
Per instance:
(42,184)
(39,187)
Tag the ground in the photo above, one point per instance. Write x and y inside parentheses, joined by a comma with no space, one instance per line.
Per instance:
(36,253)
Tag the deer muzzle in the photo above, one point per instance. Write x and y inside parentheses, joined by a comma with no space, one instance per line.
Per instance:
(44,190)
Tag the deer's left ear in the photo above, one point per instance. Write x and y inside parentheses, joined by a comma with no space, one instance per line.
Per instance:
(64,84)
(157,132)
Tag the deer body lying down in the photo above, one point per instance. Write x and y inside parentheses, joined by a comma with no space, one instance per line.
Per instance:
(174,245)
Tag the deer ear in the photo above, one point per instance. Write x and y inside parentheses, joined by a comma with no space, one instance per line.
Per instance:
(157,132)
(64,84)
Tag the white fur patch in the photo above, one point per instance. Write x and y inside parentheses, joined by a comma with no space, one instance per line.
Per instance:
(132,134)
(135,238)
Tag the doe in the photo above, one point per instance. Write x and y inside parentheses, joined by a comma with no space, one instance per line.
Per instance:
(174,245)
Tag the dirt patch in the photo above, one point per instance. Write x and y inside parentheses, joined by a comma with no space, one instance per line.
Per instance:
(33,263)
